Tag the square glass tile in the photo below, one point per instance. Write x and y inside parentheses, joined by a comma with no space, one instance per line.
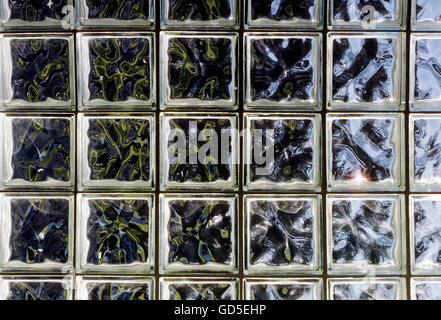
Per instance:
(199,70)
(365,152)
(198,233)
(32,288)
(38,151)
(366,289)
(38,71)
(283,71)
(114,288)
(365,71)
(425,288)
(115,233)
(283,289)
(282,234)
(118,151)
(198,289)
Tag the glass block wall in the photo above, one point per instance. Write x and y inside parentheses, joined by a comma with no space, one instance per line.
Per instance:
(225,149)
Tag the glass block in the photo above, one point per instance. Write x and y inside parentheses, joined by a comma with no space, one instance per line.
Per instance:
(45,14)
(117,151)
(199,70)
(425,288)
(424,156)
(39,151)
(36,288)
(198,233)
(199,289)
(283,71)
(365,152)
(201,14)
(365,71)
(366,234)
(123,14)
(38,71)
(282,152)
(367,14)
(36,233)
(116,71)
(114,288)
(292,14)
(115,233)
(425,243)
(283,289)
(426,15)
(424,78)
(199,151)
(367,289)
(282,234)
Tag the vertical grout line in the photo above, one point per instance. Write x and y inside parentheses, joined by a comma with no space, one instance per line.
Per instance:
(323,152)
(157,4)
(405,216)
(241,86)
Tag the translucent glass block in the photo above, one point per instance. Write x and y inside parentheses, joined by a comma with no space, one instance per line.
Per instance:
(117,151)
(199,151)
(292,14)
(199,70)
(36,232)
(365,152)
(425,243)
(366,234)
(124,14)
(34,15)
(200,14)
(365,71)
(424,156)
(283,289)
(425,288)
(282,234)
(426,15)
(424,77)
(114,288)
(199,289)
(115,233)
(367,14)
(283,71)
(39,151)
(198,233)
(36,288)
(282,152)
(38,71)
(116,71)
(367,289)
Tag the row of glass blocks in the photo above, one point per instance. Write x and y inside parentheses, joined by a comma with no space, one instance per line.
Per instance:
(132,14)
(200,151)
(116,71)
(142,288)
(198,233)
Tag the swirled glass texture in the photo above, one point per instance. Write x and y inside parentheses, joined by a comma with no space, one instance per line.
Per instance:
(118,231)
(41,149)
(40,70)
(119,69)
(199,232)
(119,149)
(39,230)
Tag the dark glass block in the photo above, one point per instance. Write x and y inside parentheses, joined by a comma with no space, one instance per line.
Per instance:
(39,230)
(119,149)
(41,149)
(40,70)
(118,231)
(119,69)
(199,232)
